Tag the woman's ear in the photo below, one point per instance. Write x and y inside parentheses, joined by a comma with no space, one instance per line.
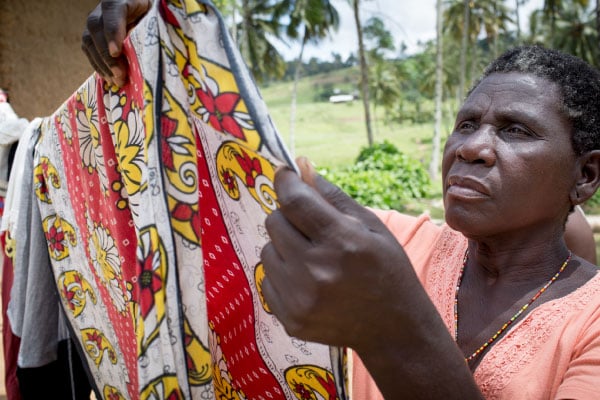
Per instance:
(588,177)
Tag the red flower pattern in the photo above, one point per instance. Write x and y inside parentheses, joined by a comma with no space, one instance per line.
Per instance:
(301,390)
(168,129)
(95,337)
(55,238)
(42,185)
(150,283)
(329,386)
(229,180)
(251,166)
(185,212)
(221,108)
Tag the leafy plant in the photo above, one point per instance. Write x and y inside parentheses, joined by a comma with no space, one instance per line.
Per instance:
(382,177)
(592,206)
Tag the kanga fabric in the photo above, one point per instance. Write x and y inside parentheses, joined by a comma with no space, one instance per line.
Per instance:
(552,353)
(152,200)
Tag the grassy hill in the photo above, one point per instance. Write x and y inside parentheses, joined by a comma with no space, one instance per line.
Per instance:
(332,134)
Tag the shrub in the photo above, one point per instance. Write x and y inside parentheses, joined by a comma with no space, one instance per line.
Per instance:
(592,206)
(382,177)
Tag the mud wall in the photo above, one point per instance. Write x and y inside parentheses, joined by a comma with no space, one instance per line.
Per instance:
(41,62)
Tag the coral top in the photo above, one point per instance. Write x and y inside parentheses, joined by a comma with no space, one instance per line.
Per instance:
(552,353)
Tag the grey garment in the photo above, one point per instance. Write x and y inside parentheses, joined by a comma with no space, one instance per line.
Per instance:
(33,309)
(11,129)
(10,132)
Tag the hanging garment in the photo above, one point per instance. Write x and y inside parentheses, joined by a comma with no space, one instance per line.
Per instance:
(11,129)
(152,200)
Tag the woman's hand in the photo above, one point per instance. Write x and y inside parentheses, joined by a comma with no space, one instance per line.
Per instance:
(333,270)
(106,29)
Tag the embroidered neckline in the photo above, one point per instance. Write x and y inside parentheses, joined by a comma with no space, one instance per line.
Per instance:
(441,278)
(508,323)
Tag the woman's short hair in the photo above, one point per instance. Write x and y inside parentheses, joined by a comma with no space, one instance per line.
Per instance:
(578,82)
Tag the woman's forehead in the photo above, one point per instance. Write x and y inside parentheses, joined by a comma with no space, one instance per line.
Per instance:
(513,90)
(517,97)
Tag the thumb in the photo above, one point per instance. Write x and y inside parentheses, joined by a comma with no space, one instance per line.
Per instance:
(332,193)
(118,15)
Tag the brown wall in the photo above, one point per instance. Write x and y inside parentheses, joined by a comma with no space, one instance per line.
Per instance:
(41,62)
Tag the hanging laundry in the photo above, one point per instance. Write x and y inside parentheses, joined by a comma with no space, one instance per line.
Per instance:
(11,130)
(152,201)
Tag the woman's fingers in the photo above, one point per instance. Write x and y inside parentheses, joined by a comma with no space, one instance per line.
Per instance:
(106,30)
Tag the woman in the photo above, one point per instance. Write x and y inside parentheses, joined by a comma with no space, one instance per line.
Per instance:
(414,300)
(492,304)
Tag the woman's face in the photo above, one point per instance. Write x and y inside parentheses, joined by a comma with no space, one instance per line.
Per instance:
(509,164)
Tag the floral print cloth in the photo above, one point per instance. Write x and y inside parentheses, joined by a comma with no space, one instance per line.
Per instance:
(153,199)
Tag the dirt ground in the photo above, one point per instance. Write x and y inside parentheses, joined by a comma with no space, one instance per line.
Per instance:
(41,61)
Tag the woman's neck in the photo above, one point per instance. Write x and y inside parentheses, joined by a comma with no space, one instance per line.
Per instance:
(516,261)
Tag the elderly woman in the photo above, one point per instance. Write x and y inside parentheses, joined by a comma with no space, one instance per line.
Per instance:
(492,304)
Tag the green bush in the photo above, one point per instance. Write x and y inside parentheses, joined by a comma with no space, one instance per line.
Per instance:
(382,177)
(592,206)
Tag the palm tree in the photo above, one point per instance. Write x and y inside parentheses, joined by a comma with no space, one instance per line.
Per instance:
(310,21)
(463,49)
(463,22)
(364,70)
(383,80)
(575,29)
(570,25)
(518,4)
(439,65)
(259,23)
(598,24)
(384,85)
(494,17)
(460,24)
(550,10)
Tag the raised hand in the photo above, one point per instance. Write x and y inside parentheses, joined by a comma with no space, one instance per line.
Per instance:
(333,270)
(106,29)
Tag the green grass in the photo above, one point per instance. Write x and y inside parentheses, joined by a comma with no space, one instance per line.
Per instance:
(332,135)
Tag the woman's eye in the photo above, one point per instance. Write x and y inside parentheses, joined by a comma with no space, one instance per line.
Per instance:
(466,126)
(517,131)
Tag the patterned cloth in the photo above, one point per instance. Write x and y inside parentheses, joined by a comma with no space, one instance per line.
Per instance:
(153,199)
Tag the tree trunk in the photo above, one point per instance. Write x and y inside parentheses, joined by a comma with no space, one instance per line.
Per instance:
(495,28)
(435,155)
(234,32)
(463,53)
(245,37)
(364,72)
(518,20)
(294,99)
(598,30)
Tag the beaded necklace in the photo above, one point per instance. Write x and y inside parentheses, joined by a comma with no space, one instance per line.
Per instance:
(512,319)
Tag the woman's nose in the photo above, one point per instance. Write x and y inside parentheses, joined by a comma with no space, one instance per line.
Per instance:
(478,147)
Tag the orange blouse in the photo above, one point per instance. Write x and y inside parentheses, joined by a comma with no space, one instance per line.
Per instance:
(552,353)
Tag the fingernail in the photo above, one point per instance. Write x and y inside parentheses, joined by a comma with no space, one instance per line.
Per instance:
(113,49)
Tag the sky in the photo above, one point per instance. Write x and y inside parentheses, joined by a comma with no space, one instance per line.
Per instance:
(409,21)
